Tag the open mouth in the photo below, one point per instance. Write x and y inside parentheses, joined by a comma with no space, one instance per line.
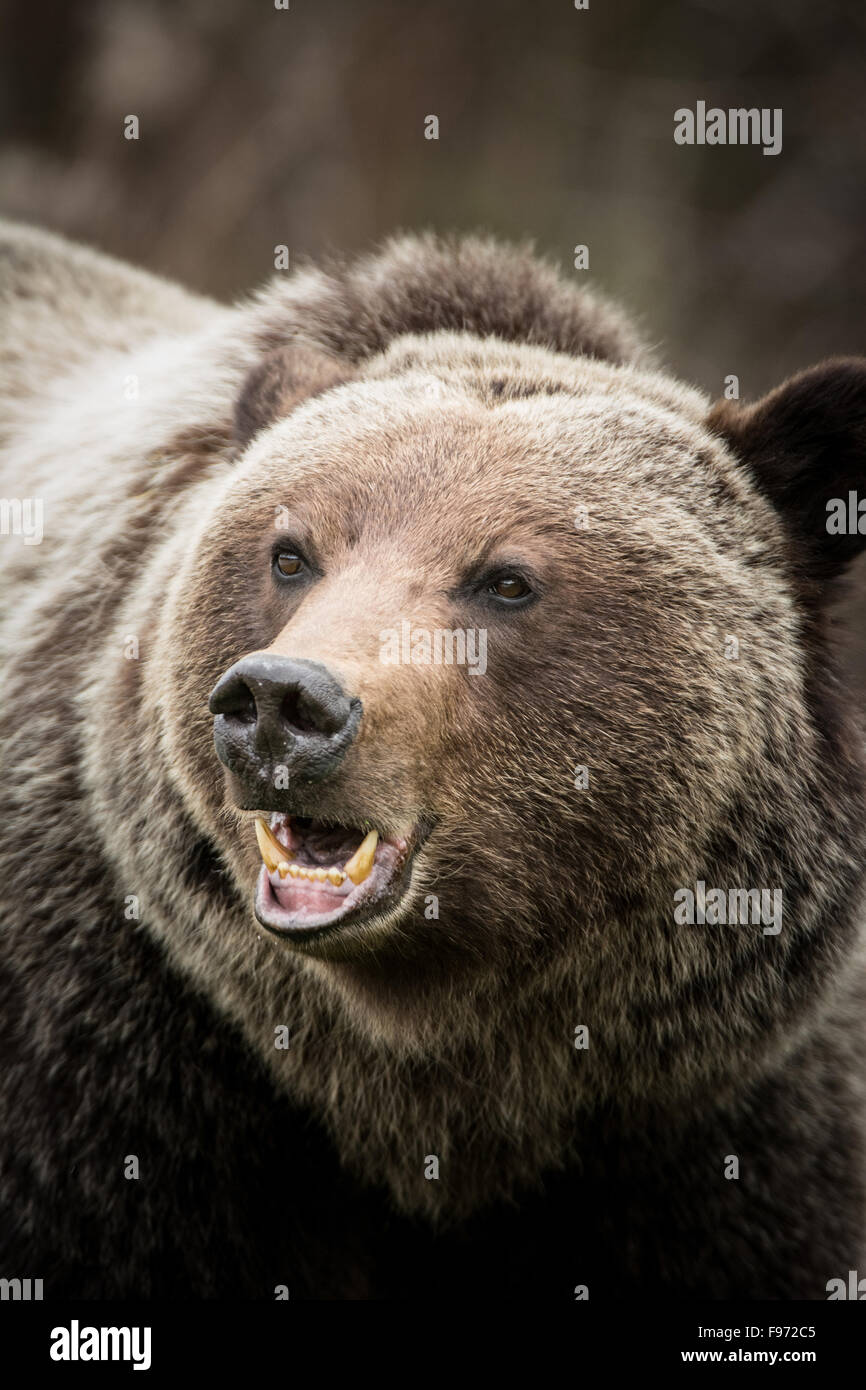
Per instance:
(317,876)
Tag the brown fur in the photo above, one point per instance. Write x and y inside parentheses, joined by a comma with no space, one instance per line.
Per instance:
(415,414)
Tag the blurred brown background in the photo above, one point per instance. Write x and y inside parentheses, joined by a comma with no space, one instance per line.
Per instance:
(306,127)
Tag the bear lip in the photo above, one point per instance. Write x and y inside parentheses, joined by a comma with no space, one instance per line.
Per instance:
(302,909)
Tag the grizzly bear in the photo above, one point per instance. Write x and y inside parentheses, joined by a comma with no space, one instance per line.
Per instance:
(433,825)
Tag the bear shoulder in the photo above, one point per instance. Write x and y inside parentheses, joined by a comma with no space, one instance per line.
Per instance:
(62,304)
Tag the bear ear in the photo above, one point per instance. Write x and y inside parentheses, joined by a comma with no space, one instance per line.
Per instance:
(805,445)
(284,378)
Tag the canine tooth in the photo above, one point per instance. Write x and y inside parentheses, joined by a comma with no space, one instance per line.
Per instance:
(270,848)
(336,877)
(359,866)
(283,868)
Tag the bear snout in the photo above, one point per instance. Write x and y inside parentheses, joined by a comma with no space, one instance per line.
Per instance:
(273,713)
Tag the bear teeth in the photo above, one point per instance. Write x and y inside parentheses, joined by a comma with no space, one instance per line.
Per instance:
(274,855)
(359,866)
(336,876)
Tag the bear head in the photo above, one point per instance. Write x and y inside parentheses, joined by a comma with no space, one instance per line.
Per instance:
(480,652)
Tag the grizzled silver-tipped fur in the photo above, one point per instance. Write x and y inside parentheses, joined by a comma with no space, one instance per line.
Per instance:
(409,422)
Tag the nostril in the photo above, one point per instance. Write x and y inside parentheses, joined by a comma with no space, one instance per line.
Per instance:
(243,707)
(298,715)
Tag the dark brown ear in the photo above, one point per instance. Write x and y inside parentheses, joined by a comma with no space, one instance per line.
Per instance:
(805,445)
(283,379)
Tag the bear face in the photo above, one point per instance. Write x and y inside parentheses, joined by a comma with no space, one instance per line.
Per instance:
(369,513)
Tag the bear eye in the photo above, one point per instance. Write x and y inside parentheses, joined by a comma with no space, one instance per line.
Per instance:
(510,587)
(288,563)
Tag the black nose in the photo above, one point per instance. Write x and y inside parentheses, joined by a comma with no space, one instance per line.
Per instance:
(278,717)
